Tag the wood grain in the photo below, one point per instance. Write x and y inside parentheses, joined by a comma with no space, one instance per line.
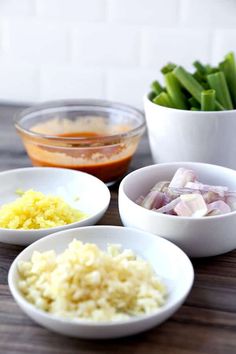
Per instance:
(205,324)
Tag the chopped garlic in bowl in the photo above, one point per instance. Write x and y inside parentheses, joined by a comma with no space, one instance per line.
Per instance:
(82,277)
(87,283)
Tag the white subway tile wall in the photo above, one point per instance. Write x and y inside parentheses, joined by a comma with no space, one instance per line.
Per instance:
(78,10)
(176,45)
(223,42)
(17,8)
(52,49)
(71,82)
(144,12)
(208,13)
(35,42)
(19,83)
(105,45)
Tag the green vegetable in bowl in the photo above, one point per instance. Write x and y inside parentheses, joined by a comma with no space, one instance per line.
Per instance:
(208,100)
(207,89)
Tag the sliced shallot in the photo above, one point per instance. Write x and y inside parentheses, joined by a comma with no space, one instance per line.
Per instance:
(220,207)
(181,177)
(184,195)
(153,200)
(168,207)
(191,205)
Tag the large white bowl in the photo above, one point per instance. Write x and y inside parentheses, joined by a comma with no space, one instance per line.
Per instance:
(198,237)
(167,260)
(182,135)
(80,190)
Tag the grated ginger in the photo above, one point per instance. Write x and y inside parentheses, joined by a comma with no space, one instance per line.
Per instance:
(34,210)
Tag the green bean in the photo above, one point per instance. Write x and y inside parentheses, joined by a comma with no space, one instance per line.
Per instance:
(208,102)
(228,67)
(218,82)
(163,99)
(192,85)
(156,87)
(174,91)
(168,68)
(193,102)
(200,67)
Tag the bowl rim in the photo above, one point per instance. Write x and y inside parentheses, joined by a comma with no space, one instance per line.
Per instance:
(167,216)
(210,113)
(64,104)
(18,297)
(61,227)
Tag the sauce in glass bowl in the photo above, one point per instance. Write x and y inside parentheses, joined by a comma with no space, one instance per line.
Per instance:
(98,141)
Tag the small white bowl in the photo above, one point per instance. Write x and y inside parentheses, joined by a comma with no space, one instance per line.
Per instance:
(182,135)
(198,237)
(80,190)
(167,260)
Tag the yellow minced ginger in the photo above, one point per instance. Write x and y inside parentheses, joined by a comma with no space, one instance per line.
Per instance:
(34,210)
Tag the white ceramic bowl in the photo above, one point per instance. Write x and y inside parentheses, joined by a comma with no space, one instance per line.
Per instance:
(80,190)
(167,260)
(198,237)
(181,135)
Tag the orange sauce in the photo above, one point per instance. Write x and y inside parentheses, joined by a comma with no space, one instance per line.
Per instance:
(79,135)
(107,171)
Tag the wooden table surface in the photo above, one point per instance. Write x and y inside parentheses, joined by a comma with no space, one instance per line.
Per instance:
(205,324)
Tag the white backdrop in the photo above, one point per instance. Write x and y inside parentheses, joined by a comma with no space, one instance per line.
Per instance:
(113,49)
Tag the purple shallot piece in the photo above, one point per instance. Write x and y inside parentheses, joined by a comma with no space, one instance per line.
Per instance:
(185,196)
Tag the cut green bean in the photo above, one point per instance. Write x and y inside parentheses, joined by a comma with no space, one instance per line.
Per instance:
(193,102)
(200,67)
(188,81)
(174,91)
(208,101)
(151,95)
(217,82)
(205,85)
(168,68)
(208,88)
(198,76)
(228,67)
(210,69)
(201,79)
(163,99)
(207,69)
(156,87)
(192,85)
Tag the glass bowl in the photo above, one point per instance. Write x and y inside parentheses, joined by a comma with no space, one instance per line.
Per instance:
(95,136)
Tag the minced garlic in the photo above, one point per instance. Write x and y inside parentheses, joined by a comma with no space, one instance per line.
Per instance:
(85,282)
